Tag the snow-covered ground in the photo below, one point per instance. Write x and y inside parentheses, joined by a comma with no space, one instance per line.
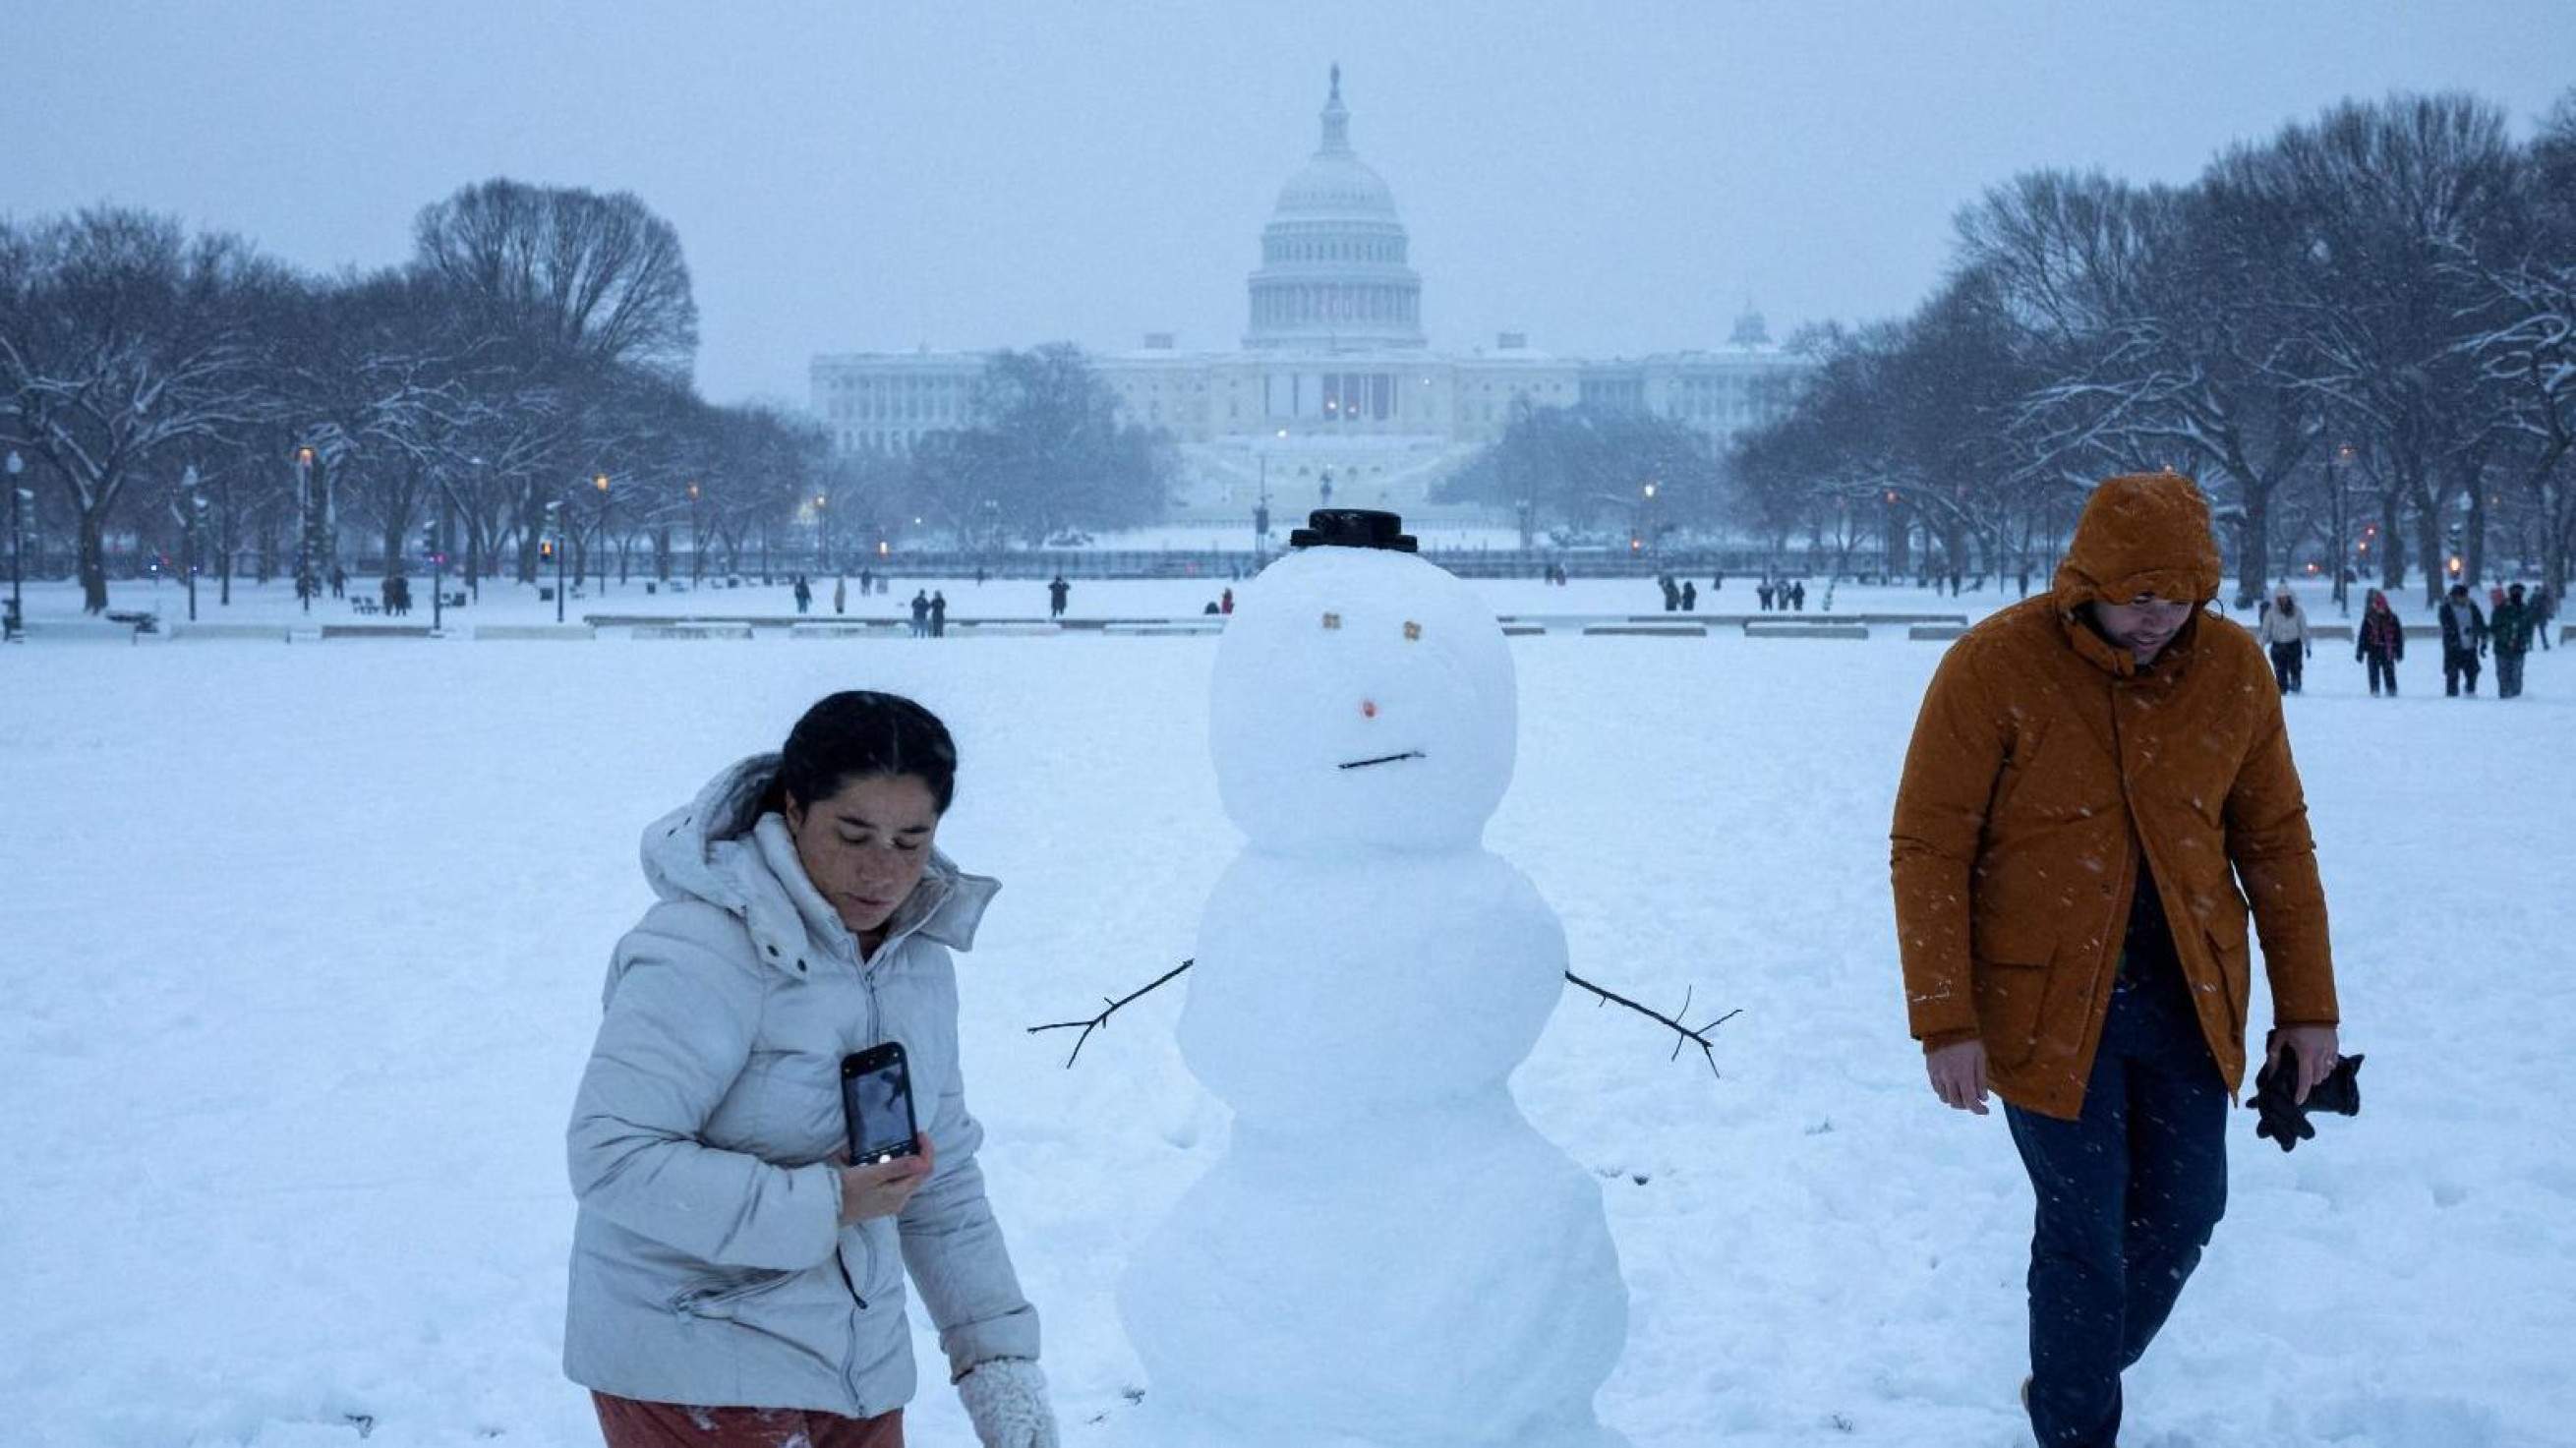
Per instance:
(300,951)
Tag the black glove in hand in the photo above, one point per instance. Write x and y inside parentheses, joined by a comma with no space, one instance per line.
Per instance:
(2286,1121)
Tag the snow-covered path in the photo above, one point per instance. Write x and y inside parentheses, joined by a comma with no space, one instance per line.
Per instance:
(301,948)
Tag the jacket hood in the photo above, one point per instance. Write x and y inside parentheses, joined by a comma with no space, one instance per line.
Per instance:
(719,848)
(2141,533)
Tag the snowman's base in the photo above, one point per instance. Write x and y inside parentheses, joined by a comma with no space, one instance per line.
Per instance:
(1161,1425)
(1444,1277)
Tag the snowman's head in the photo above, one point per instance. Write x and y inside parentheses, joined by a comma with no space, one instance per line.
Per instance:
(1362,697)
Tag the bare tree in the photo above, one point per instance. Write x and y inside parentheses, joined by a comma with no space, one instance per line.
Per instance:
(123,343)
(570,279)
(2388,198)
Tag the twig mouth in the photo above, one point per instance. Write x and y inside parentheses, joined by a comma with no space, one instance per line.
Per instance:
(1383,759)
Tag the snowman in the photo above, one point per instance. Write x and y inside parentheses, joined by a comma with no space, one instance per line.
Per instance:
(1388,1253)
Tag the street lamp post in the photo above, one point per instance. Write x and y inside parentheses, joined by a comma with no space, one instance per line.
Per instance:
(2334,504)
(554,529)
(196,518)
(697,538)
(19,498)
(822,534)
(1261,514)
(1325,493)
(307,580)
(437,575)
(601,482)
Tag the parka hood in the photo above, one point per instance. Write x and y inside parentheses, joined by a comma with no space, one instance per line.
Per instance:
(713,849)
(2141,533)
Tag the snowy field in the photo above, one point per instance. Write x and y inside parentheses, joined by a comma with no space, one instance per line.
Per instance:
(301,951)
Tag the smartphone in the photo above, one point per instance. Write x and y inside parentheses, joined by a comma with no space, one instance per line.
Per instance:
(876,1099)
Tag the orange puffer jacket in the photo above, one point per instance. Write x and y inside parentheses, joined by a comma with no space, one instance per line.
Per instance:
(2046,766)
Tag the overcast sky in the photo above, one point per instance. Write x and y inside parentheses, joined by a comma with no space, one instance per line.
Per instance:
(1612,178)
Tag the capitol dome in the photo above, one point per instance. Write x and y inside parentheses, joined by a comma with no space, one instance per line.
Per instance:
(1333,275)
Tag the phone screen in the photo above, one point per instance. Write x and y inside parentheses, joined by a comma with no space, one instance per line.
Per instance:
(878,1101)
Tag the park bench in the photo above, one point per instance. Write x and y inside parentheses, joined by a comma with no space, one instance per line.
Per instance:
(141,623)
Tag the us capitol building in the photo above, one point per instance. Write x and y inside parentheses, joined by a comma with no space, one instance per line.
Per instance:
(1336,396)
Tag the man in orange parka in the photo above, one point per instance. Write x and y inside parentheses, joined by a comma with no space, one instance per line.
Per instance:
(2095,773)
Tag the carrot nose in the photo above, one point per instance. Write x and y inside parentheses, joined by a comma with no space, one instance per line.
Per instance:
(1368,708)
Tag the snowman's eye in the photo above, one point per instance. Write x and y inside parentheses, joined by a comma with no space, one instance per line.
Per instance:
(1332,620)
(1412,630)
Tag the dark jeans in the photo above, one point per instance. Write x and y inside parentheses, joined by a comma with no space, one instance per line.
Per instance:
(2381,667)
(2128,1196)
(2508,675)
(2456,662)
(2286,664)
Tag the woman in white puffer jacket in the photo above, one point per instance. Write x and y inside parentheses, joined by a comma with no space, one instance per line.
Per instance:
(735,1281)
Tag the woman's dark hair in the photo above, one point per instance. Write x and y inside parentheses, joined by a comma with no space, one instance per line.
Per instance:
(859,734)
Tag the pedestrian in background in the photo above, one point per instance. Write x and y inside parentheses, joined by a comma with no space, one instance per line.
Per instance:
(2464,639)
(2510,632)
(2380,642)
(2284,633)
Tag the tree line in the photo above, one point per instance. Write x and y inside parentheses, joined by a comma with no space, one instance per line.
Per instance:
(521,382)
(2360,334)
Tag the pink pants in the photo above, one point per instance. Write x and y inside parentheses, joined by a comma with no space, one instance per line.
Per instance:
(626,1423)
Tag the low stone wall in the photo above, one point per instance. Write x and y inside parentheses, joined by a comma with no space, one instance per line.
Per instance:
(534,631)
(691,630)
(270,633)
(1645,630)
(1760,630)
(848,631)
(1161,630)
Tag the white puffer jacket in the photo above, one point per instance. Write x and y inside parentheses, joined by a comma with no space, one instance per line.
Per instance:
(709,1266)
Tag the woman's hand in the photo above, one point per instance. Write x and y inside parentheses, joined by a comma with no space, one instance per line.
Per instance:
(883,1189)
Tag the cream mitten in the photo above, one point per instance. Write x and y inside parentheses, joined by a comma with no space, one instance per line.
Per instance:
(1006,1398)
